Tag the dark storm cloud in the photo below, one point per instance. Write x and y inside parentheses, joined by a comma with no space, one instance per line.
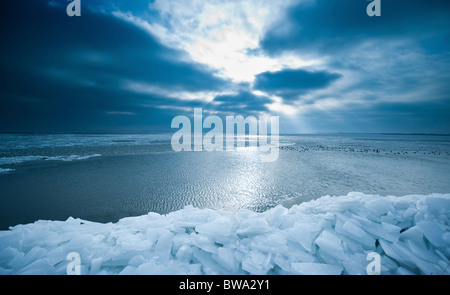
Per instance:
(59,71)
(394,68)
(243,103)
(332,26)
(375,74)
(291,83)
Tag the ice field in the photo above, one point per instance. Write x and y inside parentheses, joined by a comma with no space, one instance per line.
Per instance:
(330,235)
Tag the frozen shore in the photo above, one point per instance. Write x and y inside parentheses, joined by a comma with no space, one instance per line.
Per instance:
(330,235)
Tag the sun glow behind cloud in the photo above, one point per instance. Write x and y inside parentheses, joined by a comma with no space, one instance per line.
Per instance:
(224,35)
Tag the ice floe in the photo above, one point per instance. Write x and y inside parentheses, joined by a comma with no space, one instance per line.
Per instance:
(330,235)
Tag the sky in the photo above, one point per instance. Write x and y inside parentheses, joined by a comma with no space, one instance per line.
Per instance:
(132,66)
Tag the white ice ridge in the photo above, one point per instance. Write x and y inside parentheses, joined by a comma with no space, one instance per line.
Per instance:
(331,235)
(21,159)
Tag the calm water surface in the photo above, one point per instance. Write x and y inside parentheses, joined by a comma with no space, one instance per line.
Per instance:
(106,177)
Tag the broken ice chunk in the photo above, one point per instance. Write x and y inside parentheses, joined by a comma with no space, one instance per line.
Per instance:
(307,268)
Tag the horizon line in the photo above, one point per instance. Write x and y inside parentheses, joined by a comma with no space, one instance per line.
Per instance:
(168,132)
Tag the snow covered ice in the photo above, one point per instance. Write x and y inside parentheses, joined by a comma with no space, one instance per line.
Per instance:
(330,235)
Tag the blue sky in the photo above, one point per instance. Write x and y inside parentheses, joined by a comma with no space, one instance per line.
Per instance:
(132,66)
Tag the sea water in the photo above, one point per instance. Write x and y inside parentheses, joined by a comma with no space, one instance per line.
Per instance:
(105,177)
